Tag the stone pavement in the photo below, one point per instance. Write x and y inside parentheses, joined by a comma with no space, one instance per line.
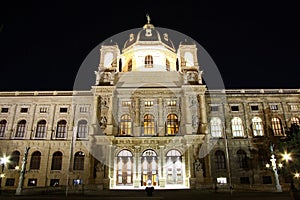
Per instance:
(158,194)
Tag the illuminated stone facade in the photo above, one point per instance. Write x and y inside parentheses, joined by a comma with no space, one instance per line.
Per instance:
(149,119)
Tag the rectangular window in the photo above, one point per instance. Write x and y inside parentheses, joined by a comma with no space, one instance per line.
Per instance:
(234,108)
(24,110)
(222,180)
(10,182)
(244,180)
(83,109)
(4,110)
(214,108)
(126,103)
(274,107)
(77,181)
(54,182)
(293,107)
(172,103)
(32,182)
(43,110)
(148,103)
(63,110)
(267,180)
(254,107)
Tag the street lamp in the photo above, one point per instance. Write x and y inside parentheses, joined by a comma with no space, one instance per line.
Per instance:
(274,168)
(286,156)
(3,162)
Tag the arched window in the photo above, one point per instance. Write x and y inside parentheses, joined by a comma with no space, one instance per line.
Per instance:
(21,128)
(189,59)
(257,126)
(40,129)
(35,160)
(277,127)
(124,168)
(174,167)
(2,127)
(177,65)
(149,125)
(56,161)
(148,61)
(295,120)
(61,129)
(82,129)
(237,127)
(14,160)
(125,125)
(172,124)
(167,65)
(120,65)
(149,168)
(108,59)
(216,127)
(242,159)
(220,160)
(130,65)
(78,161)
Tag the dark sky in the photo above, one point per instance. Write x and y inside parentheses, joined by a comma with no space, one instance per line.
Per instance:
(42,45)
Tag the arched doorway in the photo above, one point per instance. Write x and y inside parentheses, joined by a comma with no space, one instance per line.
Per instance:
(149,168)
(174,167)
(124,168)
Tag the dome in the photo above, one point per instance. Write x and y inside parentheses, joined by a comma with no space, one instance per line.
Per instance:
(148,35)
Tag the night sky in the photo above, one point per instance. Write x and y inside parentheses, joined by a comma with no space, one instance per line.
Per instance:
(42,45)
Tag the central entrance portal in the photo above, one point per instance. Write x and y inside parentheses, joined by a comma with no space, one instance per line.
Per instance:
(149,168)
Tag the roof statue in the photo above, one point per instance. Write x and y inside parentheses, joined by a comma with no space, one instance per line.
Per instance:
(148,18)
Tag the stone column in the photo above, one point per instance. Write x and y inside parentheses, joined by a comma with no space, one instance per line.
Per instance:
(203,115)
(246,120)
(161,167)
(109,128)
(161,127)
(137,171)
(136,126)
(94,124)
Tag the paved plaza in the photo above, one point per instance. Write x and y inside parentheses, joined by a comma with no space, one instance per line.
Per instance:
(158,194)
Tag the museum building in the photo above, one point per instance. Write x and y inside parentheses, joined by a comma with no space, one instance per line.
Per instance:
(148,120)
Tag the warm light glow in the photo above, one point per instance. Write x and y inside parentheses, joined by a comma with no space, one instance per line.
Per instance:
(297,175)
(280,165)
(4,160)
(2,175)
(17,167)
(286,156)
(267,165)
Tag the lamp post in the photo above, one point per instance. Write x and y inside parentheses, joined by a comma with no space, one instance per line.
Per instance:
(274,168)
(22,172)
(3,162)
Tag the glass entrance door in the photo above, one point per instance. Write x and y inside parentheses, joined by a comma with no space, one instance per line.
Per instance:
(149,168)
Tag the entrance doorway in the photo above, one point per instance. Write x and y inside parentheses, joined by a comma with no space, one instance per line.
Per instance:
(124,172)
(149,168)
(174,167)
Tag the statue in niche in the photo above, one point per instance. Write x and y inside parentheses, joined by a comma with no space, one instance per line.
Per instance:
(103,122)
(197,165)
(193,101)
(195,121)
